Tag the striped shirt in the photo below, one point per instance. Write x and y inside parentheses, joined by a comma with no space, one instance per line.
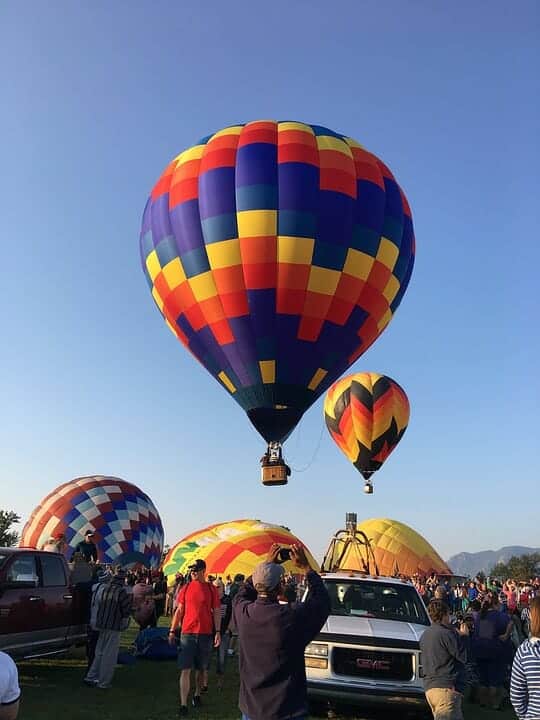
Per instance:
(114,605)
(525,684)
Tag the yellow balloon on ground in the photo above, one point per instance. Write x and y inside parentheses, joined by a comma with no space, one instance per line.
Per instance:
(398,550)
(231,547)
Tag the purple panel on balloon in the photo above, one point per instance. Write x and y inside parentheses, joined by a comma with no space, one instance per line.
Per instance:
(369,206)
(238,361)
(244,336)
(335,218)
(186,225)
(262,307)
(216,192)
(161,224)
(146,224)
(298,187)
(256,164)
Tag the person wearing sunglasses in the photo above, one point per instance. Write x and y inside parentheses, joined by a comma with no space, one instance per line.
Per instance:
(197,615)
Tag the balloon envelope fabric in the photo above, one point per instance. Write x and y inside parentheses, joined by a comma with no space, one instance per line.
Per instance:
(398,550)
(127,525)
(277,253)
(366,414)
(231,547)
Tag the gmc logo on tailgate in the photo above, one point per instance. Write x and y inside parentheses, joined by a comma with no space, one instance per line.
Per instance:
(368,664)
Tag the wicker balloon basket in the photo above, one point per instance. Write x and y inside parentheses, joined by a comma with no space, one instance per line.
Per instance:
(274,474)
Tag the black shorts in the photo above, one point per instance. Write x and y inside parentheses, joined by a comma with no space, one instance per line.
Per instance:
(195,651)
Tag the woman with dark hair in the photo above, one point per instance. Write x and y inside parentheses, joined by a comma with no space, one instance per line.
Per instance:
(491,632)
(525,684)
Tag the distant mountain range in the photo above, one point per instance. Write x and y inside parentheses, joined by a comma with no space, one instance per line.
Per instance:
(472,563)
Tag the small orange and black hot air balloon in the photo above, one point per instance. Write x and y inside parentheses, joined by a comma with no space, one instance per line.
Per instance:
(366,414)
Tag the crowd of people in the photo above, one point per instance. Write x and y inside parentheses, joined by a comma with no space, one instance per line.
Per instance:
(210,617)
(111,598)
(484,621)
(483,641)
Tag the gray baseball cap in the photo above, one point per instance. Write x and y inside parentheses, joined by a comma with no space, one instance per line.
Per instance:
(266,576)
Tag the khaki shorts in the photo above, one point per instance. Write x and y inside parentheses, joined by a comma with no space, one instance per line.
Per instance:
(445,703)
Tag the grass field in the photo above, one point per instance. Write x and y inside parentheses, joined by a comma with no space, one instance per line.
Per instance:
(53,690)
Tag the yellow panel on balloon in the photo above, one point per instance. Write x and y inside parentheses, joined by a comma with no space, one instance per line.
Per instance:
(284,126)
(224,254)
(257,223)
(358,264)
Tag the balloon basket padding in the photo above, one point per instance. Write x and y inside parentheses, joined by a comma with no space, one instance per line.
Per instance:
(274,475)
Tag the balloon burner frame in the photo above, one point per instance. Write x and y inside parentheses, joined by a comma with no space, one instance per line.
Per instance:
(350,542)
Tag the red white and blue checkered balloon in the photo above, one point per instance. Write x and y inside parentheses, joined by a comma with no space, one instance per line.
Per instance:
(127,526)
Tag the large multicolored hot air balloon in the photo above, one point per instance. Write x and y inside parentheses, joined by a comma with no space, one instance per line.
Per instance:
(366,414)
(127,526)
(231,547)
(277,253)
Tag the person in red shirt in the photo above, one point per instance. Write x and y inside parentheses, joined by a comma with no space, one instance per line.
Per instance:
(198,615)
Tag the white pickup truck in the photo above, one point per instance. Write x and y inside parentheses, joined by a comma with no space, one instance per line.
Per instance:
(367,653)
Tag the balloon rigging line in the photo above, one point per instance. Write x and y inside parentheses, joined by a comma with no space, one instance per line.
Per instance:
(298,431)
(310,463)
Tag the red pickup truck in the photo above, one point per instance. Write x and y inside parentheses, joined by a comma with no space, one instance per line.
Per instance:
(41,613)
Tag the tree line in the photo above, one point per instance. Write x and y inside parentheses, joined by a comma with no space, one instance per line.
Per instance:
(519,567)
(8,537)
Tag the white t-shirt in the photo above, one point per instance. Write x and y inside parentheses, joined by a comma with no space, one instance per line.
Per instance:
(9,680)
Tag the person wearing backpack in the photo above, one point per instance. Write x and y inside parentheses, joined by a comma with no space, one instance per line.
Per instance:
(197,615)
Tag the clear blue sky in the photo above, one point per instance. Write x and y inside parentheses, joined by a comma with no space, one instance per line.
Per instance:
(98,97)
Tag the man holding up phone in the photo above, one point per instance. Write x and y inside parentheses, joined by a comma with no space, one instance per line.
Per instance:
(273,638)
